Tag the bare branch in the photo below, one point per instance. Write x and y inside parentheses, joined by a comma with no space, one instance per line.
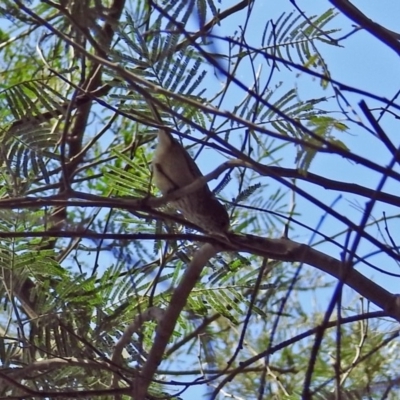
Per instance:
(151,314)
(166,326)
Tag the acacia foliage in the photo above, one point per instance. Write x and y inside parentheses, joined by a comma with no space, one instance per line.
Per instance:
(90,267)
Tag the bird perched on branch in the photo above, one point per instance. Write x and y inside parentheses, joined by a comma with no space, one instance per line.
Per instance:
(173,168)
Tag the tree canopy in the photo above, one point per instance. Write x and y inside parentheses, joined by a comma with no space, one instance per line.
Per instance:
(108,291)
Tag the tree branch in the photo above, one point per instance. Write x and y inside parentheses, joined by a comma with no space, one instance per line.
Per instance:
(166,326)
(386,36)
(153,313)
(290,251)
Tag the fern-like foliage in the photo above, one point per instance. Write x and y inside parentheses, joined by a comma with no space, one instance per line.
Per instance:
(28,141)
(179,71)
(292,35)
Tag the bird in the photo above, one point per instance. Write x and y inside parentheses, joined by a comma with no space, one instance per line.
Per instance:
(174,168)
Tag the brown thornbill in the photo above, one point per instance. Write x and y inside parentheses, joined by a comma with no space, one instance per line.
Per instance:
(173,168)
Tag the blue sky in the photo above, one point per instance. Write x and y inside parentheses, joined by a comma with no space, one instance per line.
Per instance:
(364,63)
